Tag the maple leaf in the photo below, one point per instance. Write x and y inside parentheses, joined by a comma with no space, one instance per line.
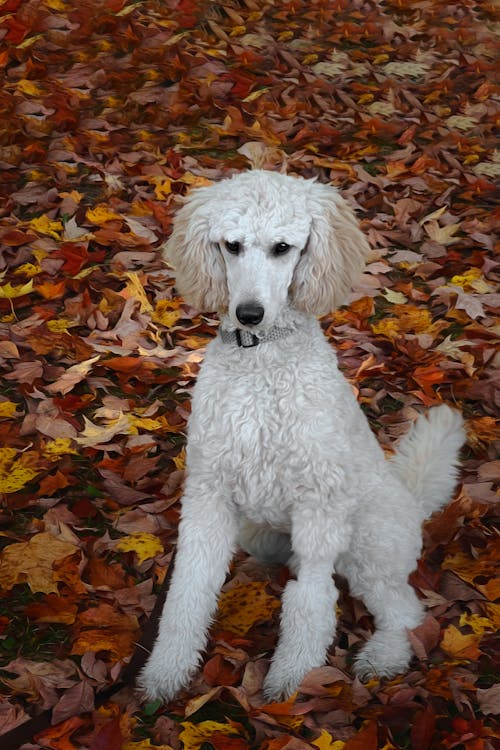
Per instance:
(244,605)
(144,545)
(73,375)
(7,291)
(193,736)
(459,645)
(33,563)
(16,471)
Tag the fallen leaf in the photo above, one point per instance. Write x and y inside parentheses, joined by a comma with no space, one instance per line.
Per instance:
(244,605)
(144,545)
(33,563)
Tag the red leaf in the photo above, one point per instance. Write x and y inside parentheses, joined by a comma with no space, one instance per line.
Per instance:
(423,729)
(109,736)
(365,739)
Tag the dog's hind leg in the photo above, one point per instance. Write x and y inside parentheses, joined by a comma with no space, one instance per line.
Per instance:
(308,617)
(396,609)
(264,542)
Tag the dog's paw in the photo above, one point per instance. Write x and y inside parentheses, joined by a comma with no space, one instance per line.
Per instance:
(163,679)
(281,681)
(386,654)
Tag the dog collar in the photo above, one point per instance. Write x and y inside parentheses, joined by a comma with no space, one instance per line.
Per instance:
(246,339)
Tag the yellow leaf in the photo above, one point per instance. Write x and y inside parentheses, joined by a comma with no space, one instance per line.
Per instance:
(408,318)
(193,736)
(180,460)
(143,744)
(255,95)
(195,180)
(458,645)
(244,605)
(8,409)
(61,325)
(101,214)
(478,624)
(32,563)
(167,312)
(469,279)
(135,289)
(15,473)
(146,423)
(28,269)
(326,742)
(44,225)
(144,545)
(28,87)
(58,447)
(7,291)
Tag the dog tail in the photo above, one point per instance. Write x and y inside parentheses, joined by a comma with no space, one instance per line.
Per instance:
(426,458)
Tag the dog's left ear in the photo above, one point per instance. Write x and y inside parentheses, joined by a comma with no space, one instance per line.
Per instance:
(335,255)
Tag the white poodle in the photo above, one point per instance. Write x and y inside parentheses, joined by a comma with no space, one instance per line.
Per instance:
(280,458)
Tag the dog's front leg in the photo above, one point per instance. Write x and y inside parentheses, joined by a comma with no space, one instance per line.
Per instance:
(307,628)
(207,534)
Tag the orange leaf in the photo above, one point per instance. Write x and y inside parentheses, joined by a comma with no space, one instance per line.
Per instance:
(102,628)
(33,562)
(459,645)
(58,737)
(50,290)
(53,482)
(54,608)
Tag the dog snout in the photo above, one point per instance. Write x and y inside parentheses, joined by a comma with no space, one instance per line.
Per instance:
(249,313)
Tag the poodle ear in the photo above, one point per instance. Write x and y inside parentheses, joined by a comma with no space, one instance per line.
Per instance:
(198,264)
(334,257)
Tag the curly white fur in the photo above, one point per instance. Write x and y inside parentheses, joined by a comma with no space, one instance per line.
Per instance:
(280,458)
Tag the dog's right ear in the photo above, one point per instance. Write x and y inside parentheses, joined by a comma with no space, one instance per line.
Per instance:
(198,264)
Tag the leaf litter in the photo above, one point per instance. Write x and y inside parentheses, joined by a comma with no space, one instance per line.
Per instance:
(112,112)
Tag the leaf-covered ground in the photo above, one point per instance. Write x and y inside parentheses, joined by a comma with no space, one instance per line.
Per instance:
(109,111)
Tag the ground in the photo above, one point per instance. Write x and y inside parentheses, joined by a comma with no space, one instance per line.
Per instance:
(109,112)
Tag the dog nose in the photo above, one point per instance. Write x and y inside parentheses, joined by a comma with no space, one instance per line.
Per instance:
(249,313)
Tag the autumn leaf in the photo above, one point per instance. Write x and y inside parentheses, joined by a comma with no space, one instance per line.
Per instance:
(144,545)
(33,563)
(326,742)
(101,214)
(7,291)
(244,605)
(193,736)
(17,470)
(460,646)
(73,375)
(44,225)
(102,628)
(393,103)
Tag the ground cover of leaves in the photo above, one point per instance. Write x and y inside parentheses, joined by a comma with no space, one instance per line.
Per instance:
(109,112)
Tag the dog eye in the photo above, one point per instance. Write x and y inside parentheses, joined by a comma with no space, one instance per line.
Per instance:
(281,248)
(233,247)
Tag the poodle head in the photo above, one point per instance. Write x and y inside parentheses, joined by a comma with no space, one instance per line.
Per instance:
(262,241)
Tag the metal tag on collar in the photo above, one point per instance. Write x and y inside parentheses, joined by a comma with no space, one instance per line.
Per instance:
(245,339)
